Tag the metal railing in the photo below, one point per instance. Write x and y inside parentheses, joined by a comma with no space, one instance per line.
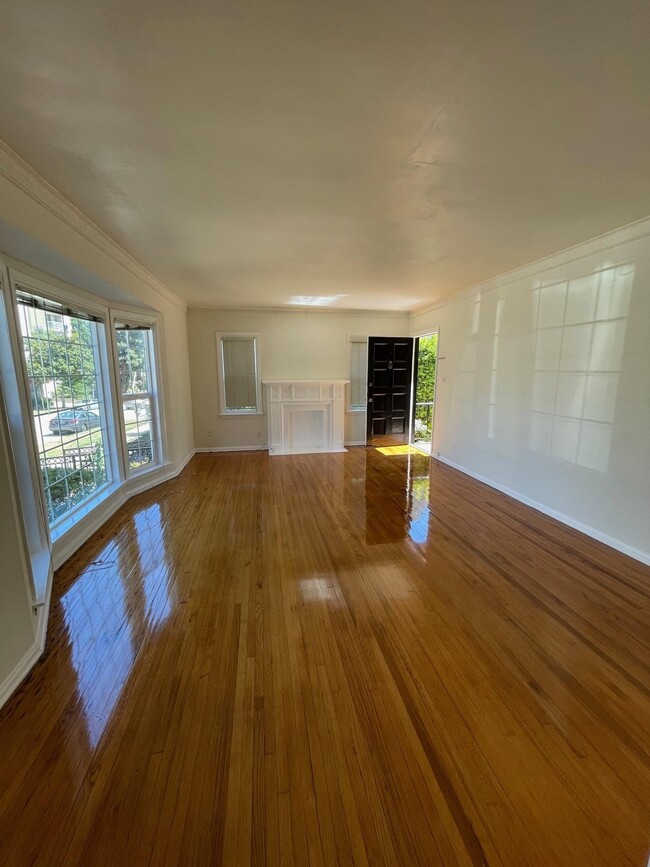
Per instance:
(140,451)
(70,459)
(423,422)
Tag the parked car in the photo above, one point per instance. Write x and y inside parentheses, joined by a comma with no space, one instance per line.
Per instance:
(74,420)
(135,409)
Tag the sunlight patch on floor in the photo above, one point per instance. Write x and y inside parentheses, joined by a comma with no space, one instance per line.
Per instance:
(399,450)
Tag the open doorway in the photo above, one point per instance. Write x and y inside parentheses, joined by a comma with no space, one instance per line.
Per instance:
(425,356)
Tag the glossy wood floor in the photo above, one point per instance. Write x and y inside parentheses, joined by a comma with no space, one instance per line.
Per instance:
(334,659)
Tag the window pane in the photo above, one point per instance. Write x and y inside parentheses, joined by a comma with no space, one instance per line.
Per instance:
(134,354)
(133,360)
(65,388)
(240,374)
(139,438)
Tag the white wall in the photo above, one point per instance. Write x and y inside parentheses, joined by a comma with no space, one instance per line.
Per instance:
(44,230)
(293,345)
(544,385)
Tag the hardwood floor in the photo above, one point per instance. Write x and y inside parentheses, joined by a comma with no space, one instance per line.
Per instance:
(334,659)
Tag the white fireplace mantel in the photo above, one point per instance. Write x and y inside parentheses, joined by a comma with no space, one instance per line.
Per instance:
(305,415)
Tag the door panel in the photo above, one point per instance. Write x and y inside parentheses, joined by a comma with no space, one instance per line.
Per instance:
(381,378)
(390,364)
(379,403)
(381,351)
(403,352)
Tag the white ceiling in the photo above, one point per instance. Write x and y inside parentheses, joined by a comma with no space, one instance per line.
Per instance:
(374,154)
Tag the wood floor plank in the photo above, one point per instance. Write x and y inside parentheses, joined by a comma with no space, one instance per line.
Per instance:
(350,659)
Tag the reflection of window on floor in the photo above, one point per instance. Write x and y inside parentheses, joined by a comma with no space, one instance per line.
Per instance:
(64,378)
(419,507)
(101,640)
(580,334)
(135,363)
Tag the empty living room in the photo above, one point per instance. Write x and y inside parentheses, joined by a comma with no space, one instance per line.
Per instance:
(324,433)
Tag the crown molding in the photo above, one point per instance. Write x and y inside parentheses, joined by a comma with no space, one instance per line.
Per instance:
(330,311)
(18,172)
(453,298)
(624,235)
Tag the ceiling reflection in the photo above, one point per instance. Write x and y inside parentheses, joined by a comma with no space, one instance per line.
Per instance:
(320,588)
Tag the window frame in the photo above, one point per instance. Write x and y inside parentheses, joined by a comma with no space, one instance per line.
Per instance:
(53,291)
(28,493)
(354,409)
(158,432)
(239,413)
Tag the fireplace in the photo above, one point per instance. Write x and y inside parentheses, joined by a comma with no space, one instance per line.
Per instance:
(305,416)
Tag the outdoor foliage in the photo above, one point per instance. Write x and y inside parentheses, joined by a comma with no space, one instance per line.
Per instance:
(424,393)
(132,361)
(68,362)
(426,368)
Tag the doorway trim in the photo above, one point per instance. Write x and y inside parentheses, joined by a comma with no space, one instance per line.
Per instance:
(416,345)
(389,383)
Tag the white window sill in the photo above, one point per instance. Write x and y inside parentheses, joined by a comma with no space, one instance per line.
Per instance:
(143,470)
(68,521)
(241,414)
(355,411)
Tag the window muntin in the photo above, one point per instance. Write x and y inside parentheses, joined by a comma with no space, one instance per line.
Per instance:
(358,355)
(61,347)
(239,382)
(134,346)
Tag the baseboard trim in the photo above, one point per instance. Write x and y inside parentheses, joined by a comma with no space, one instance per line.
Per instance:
(610,541)
(355,443)
(181,466)
(19,673)
(286,452)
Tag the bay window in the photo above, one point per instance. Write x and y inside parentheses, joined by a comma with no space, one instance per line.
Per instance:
(136,373)
(61,347)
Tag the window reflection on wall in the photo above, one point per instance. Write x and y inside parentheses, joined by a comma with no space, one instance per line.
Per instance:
(494,373)
(579,337)
(465,379)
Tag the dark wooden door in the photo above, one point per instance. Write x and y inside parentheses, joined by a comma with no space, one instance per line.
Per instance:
(390,369)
